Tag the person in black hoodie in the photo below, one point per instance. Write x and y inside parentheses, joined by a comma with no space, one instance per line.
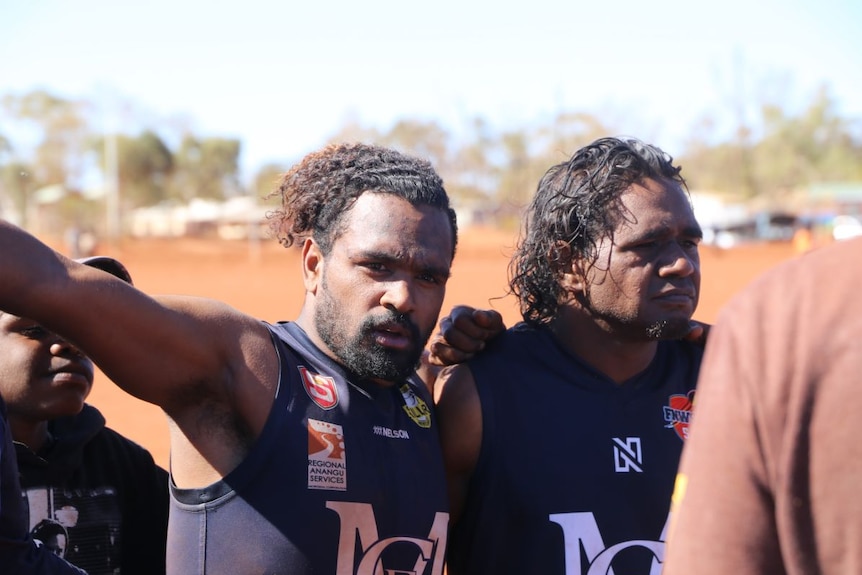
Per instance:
(104,490)
(19,553)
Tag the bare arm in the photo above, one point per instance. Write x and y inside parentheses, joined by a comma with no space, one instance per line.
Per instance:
(202,361)
(459,414)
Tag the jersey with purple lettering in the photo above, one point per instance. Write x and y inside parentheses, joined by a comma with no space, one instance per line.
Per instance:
(575,472)
(346,478)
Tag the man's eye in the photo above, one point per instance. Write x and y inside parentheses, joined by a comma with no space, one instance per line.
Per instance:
(646,245)
(35,332)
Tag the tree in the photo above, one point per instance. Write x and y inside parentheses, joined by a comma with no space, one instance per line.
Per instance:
(266,181)
(59,155)
(18,184)
(815,146)
(144,165)
(206,168)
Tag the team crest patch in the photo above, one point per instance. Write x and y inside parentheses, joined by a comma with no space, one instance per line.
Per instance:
(327,457)
(677,413)
(320,388)
(415,407)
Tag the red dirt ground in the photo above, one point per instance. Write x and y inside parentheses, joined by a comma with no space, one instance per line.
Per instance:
(264,282)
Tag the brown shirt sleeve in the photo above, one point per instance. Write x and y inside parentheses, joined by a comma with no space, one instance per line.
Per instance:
(770,475)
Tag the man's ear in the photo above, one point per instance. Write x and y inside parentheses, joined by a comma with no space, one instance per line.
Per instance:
(568,268)
(312,265)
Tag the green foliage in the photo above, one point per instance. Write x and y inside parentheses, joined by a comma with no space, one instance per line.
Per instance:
(144,165)
(16,178)
(206,168)
(491,173)
(266,181)
(791,152)
(63,132)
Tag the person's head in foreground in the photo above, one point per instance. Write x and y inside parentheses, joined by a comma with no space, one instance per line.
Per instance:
(378,236)
(611,233)
(43,376)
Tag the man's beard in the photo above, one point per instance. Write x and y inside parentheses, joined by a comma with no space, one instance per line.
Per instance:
(360,353)
(664,329)
(630,327)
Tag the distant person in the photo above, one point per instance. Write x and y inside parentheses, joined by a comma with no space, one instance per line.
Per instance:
(769,481)
(105,491)
(562,437)
(803,238)
(298,447)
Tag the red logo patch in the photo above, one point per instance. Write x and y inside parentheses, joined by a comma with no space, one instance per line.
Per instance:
(678,412)
(320,388)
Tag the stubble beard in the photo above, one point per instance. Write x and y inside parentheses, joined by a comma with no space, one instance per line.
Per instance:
(668,329)
(633,328)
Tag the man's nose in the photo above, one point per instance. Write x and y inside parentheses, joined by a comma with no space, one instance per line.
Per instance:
(398,296)
(678,263)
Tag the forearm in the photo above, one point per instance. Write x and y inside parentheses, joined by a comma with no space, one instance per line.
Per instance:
(28,267)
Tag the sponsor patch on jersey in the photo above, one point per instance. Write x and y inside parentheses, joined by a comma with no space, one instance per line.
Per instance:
(677,413)
(416,407)
(320,388)
(327,457)
(393,433)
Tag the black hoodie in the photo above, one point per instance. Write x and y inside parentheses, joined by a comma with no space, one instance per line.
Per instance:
(106,491)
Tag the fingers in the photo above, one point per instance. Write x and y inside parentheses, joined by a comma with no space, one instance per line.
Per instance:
(698,332)
(462,334)
(442,354)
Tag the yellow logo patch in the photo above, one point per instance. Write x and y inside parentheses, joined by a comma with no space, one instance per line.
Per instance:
(416,407)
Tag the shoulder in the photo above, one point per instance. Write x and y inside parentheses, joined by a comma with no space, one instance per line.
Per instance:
(514,341)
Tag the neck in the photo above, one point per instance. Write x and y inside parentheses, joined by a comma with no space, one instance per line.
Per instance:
(33,434)
(617,358)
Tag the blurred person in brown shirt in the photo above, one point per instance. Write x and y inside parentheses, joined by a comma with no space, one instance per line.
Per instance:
(769,478)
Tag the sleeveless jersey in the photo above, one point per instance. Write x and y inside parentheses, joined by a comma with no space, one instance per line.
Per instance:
(575,472)
(346,478)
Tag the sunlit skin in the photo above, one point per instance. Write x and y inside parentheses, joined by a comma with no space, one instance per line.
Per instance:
(42,377)
(375,298)
(646,279)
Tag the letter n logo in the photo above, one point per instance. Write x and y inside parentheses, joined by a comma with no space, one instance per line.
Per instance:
(628,455)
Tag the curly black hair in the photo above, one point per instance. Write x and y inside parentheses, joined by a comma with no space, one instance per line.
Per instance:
(577,203)
(318,191)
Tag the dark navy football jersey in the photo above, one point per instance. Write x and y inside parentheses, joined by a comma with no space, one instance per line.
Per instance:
(345,479)
(575,472)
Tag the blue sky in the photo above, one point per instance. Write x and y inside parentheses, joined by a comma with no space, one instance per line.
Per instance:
(283,76)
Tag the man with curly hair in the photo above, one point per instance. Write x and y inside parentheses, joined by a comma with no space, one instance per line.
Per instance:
(561,439)
(297,447)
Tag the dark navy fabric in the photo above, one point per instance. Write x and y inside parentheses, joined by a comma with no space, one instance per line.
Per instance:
(343,485)
(575,472)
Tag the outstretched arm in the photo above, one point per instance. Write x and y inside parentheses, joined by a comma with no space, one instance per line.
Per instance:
(200,360)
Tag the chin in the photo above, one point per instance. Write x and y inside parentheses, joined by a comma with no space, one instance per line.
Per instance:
(66,409)
(668,329)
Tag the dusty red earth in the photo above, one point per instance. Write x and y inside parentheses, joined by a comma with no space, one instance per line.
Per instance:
(263,280)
